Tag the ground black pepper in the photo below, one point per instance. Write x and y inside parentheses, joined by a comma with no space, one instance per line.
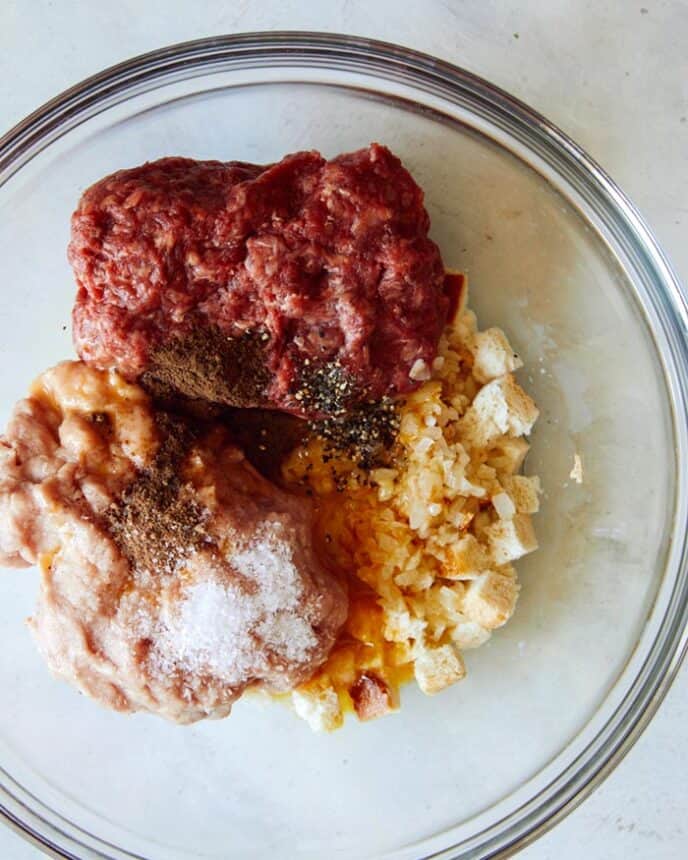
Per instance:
(327,389)
(365,434)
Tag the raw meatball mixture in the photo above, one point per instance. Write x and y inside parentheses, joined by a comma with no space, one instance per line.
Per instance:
(307,285)
(173,575)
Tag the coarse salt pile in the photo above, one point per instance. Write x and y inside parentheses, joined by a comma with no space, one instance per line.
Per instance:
(210,628)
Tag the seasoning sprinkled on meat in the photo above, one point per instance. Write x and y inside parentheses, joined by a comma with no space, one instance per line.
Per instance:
(328,261)
(326,389)
(206,364)
(365,434)
(158,520)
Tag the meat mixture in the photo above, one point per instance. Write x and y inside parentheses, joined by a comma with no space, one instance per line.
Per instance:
(218,305)
(173,576)
(307,285)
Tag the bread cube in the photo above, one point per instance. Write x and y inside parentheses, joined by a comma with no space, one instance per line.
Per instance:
(465,559)
(503,505)
(469,634)
(511,539)
(490,599)
(319,708)
(500,407)
(492,355)
(438,668)
(507,454)
(524,493)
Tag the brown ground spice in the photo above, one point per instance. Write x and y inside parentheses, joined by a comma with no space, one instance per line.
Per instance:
(207,365)
(155,522)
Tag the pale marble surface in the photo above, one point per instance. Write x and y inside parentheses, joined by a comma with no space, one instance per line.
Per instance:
(614,75)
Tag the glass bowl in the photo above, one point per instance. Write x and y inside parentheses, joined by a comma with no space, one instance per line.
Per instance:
(559,258)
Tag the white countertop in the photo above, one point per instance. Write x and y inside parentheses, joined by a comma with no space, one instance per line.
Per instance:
(611,73)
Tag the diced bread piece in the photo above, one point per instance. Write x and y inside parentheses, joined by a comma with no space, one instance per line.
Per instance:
(507,454)
(524,493)
(503,505)
(469,634)
(500,407)
(465,559)
(490,599)
(371,697)
(511,539)
(319,708)
(448,599)
(438,668)
(492,355)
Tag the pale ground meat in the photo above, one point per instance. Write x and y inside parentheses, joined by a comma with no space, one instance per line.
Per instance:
(177,621)
(306,285)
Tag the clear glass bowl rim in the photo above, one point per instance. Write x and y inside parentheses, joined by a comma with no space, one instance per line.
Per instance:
(297,49)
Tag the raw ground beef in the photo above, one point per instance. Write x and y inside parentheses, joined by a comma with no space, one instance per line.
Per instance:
(306,285)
